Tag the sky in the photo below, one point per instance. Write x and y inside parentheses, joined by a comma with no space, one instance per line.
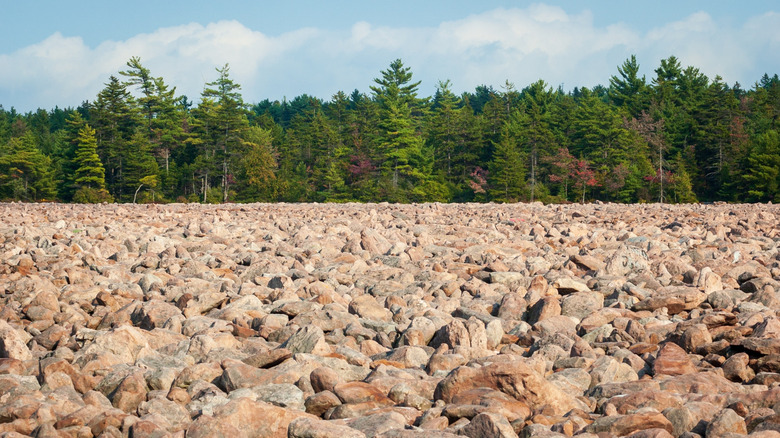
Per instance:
(56,53)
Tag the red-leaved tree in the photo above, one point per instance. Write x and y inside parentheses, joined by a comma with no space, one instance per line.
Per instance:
(583,176)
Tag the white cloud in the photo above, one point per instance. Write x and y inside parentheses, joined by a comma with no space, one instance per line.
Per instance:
(521,45)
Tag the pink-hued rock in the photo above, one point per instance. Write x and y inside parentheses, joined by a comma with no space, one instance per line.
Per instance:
(672,360)
(13,344)
(244,418)
(512,377)
(389,320)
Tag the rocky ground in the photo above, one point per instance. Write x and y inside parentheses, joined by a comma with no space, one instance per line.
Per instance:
(389,320)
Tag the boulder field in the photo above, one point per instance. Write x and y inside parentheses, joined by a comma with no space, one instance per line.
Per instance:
(385,320)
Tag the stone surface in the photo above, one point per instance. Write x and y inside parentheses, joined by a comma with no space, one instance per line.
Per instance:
(488,425)
(389,320)
(672,360)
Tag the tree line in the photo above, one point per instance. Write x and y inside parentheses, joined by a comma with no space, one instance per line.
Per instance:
(678,137)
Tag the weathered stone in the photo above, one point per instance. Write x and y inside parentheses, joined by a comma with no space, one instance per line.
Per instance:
(403,320)
(489,425)
(544,308)
(725,422)
(13,342)
(305,427)
(309,339)
(513,377)
(673,361)
(245,418)
(736,368)
(581,304)
(675,300)
(376,424)
(622,425)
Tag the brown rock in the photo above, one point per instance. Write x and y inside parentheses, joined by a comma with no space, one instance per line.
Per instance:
(130,393)
(12,343)
(652,433)
(622,425)
(360,392)
(489,425)
(454,334)
(376,424)
(674,299)
(147,429)
(324,379)
(320,402)
(736,368)
(244,418)
(726,421)
(309,339)
(11,366)
(268,359)
(672,360)
(543,309)
(513,377)
(366,306)
(240,375)
(494,401)
(694,337)
(305,427)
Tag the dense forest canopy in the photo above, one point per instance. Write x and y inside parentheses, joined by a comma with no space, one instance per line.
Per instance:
(677,137)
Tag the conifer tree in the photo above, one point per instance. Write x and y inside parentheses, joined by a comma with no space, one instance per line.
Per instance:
(506,170)
(90,172)
(628,90)
(228,119)
(25,173)
(399,142)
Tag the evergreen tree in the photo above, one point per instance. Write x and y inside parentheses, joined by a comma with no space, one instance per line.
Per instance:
(628,90)
(26,174)
(115,119)
(400,144)
(257,167)
(598,133)
(533,127)
(681,185)
(226,117)
(506,170)
(762,177)
(90,176)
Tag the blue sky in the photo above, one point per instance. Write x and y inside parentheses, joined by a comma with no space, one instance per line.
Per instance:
(61,53)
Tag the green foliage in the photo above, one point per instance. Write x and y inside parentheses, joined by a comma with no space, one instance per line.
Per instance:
(762,177)
(257,167)
(89,195)
(26,174)
(506,171)
(628,90)
(680,138)
(90,172)
(399,143)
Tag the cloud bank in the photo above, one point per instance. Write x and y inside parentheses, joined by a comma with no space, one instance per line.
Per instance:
(519,45)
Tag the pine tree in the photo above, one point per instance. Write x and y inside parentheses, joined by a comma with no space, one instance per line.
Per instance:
(398,140)
(505,173)
(681,185)
(115,118)
(598,133)
(762,177)
(90,176)
(628,90)
(533,126)
(257,167)
(227,117)
(25,173)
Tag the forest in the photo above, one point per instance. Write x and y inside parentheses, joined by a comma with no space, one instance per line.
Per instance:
(678,137)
